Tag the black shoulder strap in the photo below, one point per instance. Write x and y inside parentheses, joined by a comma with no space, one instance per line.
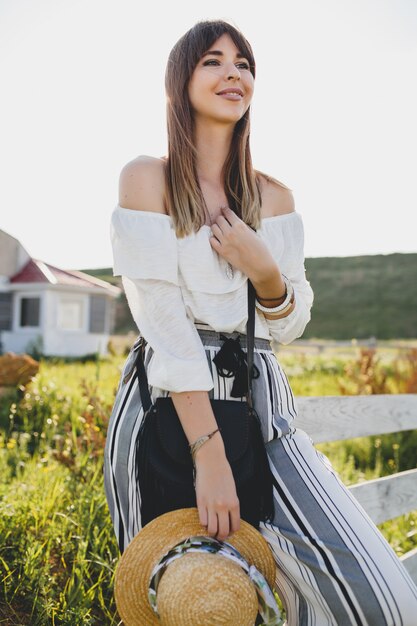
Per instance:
(250,338)
(142,378)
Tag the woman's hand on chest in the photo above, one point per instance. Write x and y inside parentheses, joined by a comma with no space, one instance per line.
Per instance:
(240,246)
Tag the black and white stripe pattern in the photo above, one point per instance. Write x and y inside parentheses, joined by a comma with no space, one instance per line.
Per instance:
(334,568)
(333,562)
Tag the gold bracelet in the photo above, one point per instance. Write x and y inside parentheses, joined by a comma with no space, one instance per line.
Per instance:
(194,447)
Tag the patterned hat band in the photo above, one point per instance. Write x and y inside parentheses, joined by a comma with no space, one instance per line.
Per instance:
(267,605)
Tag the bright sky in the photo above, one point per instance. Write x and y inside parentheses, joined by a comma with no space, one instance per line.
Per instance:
(333,116)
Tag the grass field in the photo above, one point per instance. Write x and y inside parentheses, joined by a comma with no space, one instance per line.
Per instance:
(57,549)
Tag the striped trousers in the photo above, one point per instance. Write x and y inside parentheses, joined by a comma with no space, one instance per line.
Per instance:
(334,567)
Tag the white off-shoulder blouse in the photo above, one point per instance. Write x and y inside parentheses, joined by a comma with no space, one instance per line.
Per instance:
(172,284)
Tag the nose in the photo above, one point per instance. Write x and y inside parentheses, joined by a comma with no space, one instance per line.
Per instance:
(232,72)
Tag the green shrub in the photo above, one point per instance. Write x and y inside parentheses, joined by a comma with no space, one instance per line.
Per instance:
(58,551)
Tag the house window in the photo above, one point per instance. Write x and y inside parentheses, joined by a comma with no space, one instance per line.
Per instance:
(30,311)
(97,314)
(70,314)
(5,311)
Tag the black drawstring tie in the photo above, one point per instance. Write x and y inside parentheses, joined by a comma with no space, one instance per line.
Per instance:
(231,361)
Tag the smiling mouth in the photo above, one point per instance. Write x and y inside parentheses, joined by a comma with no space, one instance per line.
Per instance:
(230,90)
(231,95)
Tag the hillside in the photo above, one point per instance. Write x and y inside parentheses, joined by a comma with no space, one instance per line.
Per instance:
(360,296)
(363,296)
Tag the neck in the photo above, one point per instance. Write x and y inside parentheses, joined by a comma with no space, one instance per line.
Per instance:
(213,143)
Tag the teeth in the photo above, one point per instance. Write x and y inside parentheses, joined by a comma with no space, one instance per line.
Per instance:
(232,93)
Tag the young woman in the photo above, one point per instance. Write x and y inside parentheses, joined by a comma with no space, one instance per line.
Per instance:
(188,232)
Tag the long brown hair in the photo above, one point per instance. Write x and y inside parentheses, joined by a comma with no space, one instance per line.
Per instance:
(183,196)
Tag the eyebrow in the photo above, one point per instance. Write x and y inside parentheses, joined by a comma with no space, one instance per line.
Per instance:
(219,53)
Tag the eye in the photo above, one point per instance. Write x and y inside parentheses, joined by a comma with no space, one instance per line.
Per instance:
(243,64)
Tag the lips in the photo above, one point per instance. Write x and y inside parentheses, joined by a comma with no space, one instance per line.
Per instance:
(231,90)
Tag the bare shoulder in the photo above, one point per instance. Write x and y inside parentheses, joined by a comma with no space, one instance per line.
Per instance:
(277,198)
(142,184)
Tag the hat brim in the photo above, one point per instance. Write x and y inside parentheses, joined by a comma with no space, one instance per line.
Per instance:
(154,540)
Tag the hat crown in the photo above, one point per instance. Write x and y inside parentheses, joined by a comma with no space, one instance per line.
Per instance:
(206,590)
(134,570)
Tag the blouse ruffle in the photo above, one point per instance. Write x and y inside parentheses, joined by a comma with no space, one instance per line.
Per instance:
(144,245)
(173,282)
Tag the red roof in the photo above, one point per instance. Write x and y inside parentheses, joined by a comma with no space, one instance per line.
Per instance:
(36,271)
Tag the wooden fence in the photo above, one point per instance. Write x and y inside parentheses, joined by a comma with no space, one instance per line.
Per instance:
(332,418)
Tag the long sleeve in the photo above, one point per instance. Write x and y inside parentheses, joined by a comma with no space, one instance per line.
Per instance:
(289,253)
(145,255)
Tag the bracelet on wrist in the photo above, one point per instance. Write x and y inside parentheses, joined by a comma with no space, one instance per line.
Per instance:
(284,295)
(280,313)
(194,447)
(284,305)
(272,299)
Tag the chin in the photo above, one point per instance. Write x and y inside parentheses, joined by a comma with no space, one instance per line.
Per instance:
(221,117)
(230,118)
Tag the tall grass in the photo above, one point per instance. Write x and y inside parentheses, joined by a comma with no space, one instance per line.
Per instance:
(58,550)
(57,547)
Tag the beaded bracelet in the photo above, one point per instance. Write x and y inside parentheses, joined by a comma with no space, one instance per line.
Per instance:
(194,447)
(281,307)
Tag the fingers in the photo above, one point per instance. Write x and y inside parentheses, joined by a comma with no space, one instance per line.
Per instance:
(221,227)
(202,514)
(235,519)
(218,525)
(224,224)
(217,501)
(212,524)
(217,232)
(223,525)
(230,215)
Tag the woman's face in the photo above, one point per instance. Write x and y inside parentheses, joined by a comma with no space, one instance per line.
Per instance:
(221,68)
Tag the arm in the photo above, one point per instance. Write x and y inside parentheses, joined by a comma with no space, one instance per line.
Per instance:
(284,330)
(145,255)
(144,248)
(263,261)
(178,366)
(266,292)
(217,501)
(269,284)
(287,327)
(264,266)
(179,361)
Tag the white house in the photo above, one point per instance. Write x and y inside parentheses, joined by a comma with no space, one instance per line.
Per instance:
(61,312)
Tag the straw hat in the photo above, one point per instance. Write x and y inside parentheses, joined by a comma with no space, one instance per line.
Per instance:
(197,589)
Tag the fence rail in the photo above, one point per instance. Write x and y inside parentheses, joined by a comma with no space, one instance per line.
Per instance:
(334,418)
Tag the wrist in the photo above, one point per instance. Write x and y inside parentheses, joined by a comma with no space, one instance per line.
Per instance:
(272,301)
(212,449)
(263,277)
(284,303)
(283,314)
